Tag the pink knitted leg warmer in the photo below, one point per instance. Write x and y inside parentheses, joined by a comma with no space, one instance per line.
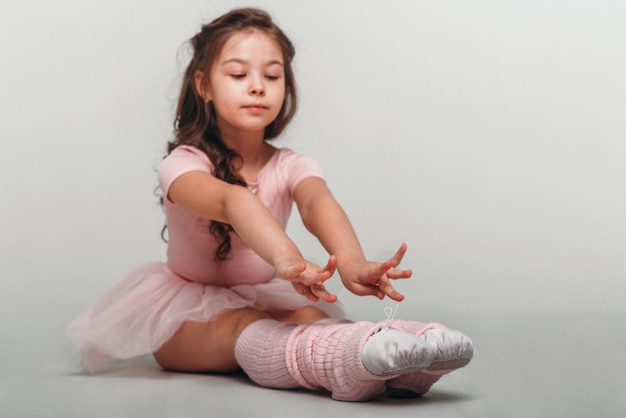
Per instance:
(326,354)
(260,352)
(329,354)
(451,354)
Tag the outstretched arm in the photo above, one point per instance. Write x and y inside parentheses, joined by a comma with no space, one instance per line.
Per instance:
(324,218)
(217,200)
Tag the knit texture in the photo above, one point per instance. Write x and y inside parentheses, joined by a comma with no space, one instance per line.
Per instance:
(323,355)
(328,355)
(260,352)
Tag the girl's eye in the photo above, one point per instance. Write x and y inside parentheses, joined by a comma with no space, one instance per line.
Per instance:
(272,77)
(237,76)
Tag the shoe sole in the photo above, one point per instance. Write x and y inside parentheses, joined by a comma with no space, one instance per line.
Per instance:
(449,364)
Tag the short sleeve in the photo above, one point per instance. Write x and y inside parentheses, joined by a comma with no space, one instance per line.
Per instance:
(180,161)
(299,167)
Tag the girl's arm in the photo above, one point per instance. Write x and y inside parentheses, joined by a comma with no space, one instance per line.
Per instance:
(324,218)
(214,199)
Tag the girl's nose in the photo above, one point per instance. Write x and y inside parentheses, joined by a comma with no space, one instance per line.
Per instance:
(256,87)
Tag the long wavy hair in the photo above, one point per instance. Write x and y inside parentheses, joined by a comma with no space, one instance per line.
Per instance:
(196,123)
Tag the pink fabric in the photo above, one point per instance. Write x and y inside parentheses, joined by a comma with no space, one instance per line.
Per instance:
(328,355)
(142,310)
(190,248)
(323,355)
(260,351)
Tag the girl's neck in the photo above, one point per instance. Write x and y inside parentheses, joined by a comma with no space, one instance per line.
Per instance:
(252,148)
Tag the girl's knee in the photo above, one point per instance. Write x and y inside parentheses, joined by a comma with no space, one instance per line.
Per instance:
(304,315)
(246,316)
(309,314)
(206,346)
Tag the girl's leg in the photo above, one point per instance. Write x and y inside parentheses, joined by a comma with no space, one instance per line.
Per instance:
(351,360)
(210,346)
(304,315)
(207,346)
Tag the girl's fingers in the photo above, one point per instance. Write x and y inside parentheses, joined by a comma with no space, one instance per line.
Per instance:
(292,271)
(388,267)
(384,286)
(331,266)
(305,291)
(315,292)
(310,295)
(314,278)
(309,275)
(379,270)
(300,289)
(397,257)
(312,274)
(321,292)
(399,274)
(367,290)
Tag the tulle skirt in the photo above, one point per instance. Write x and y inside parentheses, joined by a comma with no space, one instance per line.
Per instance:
(143,310)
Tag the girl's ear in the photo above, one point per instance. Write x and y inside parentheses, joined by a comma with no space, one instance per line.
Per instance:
(201,87)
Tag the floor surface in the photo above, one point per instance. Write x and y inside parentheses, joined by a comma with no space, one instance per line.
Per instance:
(525,366)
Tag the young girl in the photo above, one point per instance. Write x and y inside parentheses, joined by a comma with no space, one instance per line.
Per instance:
(235,291)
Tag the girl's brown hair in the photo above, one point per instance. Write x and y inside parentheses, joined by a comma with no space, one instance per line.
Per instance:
(196,123)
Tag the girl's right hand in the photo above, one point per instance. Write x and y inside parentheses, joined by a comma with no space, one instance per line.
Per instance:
(307,278)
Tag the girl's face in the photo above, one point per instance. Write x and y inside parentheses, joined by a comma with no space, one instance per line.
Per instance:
(247,83)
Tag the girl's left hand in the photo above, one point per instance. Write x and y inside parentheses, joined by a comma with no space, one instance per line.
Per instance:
(372,278)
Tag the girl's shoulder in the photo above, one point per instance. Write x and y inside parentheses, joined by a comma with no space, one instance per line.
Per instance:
(188,151)
(287,155)
(181,160)
(295,164)
(284,157)
(187,155)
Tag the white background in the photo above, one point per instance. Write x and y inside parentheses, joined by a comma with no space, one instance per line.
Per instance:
(488,135)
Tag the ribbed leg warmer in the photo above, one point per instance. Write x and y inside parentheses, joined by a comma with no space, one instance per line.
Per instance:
(329,354)
(260,352)
(323,355)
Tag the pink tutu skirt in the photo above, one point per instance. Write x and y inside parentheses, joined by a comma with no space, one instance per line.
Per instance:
(143,310)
